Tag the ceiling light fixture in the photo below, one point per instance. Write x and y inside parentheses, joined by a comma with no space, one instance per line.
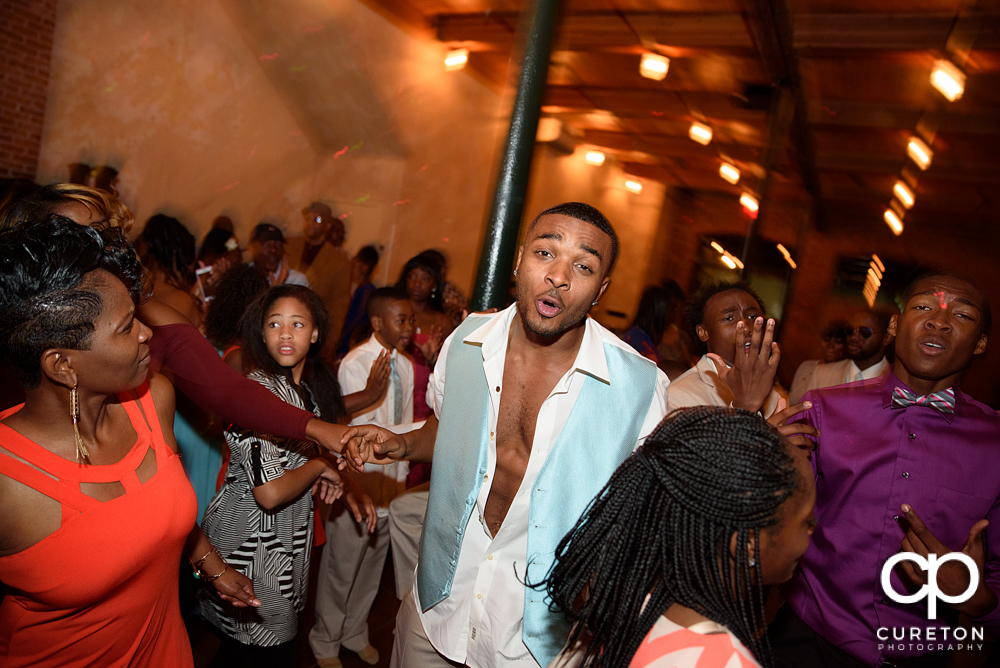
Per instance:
(701,133)
(948,79)
(894,221)
(729,172)
(654,66)
(456,60)
(905,195)
(919,153)
(750,204)
(633,186)
(595,158)
(718,248)
(549,129)
(728,261)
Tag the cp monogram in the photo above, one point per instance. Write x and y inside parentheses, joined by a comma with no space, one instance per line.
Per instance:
(930,590)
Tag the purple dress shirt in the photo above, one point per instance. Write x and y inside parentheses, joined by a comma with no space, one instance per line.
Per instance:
(870,459)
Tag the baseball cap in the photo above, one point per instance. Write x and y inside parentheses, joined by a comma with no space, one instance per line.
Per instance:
(267,232)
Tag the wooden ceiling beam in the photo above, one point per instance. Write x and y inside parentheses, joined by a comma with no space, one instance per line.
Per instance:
(596,31)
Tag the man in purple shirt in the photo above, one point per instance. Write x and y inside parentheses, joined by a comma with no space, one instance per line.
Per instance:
(905,463)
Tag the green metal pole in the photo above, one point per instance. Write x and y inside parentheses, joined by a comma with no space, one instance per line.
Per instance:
(508,200)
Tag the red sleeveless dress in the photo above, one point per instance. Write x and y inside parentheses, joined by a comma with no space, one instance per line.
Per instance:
(101,590)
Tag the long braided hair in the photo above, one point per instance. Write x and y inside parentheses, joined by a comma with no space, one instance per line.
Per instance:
(662,527)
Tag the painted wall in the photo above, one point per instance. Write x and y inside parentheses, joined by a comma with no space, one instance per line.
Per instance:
(255,109)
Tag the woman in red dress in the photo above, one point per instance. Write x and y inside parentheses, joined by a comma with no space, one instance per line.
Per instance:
(95,509)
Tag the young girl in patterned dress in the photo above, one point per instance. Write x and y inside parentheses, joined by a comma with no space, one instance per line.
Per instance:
(261,519)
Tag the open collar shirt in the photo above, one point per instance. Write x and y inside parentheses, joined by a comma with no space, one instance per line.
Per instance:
(479,624)
(870,459)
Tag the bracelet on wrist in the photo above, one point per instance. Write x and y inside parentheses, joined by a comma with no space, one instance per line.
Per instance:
(199,566)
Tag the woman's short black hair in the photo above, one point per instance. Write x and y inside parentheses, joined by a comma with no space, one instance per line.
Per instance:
(45,301)
(432,267)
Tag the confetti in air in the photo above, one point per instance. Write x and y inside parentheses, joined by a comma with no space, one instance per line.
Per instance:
(145,38)
(253,150)
(424,168)
(114,84)
(363,198)
(355,147)
(271,57)
(344,216)
(400,201)
(229,187)
(341,151)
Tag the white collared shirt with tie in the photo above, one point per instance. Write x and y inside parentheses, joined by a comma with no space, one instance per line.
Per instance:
(353,376)
(479,624)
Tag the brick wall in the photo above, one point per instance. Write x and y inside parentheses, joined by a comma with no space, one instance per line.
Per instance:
(26,29)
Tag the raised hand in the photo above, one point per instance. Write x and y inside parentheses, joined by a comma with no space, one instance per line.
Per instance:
(431,347)
(794,433)
(378,377)
(236,588)
(953,576)
(751,377)
(370,444)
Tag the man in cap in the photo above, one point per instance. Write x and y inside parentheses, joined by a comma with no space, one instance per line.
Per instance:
(267,247)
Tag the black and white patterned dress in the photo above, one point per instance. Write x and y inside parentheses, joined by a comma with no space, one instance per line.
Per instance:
(271,547)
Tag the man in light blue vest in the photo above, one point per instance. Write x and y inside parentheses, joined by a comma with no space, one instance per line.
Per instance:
(535,407)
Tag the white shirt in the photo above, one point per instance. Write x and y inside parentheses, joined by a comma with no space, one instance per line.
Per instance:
(381,483)
(701,386)
(874,371)
(479,624)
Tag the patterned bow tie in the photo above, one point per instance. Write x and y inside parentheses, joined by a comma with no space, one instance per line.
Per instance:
(943,401)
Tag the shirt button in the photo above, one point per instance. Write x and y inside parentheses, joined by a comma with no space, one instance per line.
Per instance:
(895,517)
(491,435)
(905,474)
(490,557)
(479,596)
(498,388)
(884,601)
(912,436)
(486,477)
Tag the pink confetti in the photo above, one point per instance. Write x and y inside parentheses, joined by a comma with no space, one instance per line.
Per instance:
(341,151)
(424,168)
(316,29)
(271,57)
(229,187)
(400,201)
(940,295)
(445,239)
(345,215)
(253,150)
(145,38)
(656,113)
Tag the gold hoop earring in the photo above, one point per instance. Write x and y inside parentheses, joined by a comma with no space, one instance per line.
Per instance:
(74,401)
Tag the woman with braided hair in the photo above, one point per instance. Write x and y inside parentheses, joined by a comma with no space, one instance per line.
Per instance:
(665,567)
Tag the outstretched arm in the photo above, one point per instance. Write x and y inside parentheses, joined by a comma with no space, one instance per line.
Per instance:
(375,445)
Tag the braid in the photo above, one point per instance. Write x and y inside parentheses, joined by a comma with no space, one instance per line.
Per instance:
(662,527)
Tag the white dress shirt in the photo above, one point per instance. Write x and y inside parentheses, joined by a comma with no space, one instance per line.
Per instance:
(381,482)
(479,624)
(874,371)
(701,386)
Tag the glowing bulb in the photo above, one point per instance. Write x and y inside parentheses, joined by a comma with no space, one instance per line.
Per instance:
(895,224)
(919,153)
(654,66)
(729,172)
(948,79)
(456,60)
(594,158)
(717,247)
(728,261)
(876,260)
(734,259)
(701,133)
(749,202)
(633,186)
(904,194)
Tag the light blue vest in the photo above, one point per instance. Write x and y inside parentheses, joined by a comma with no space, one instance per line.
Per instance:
(599,434)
